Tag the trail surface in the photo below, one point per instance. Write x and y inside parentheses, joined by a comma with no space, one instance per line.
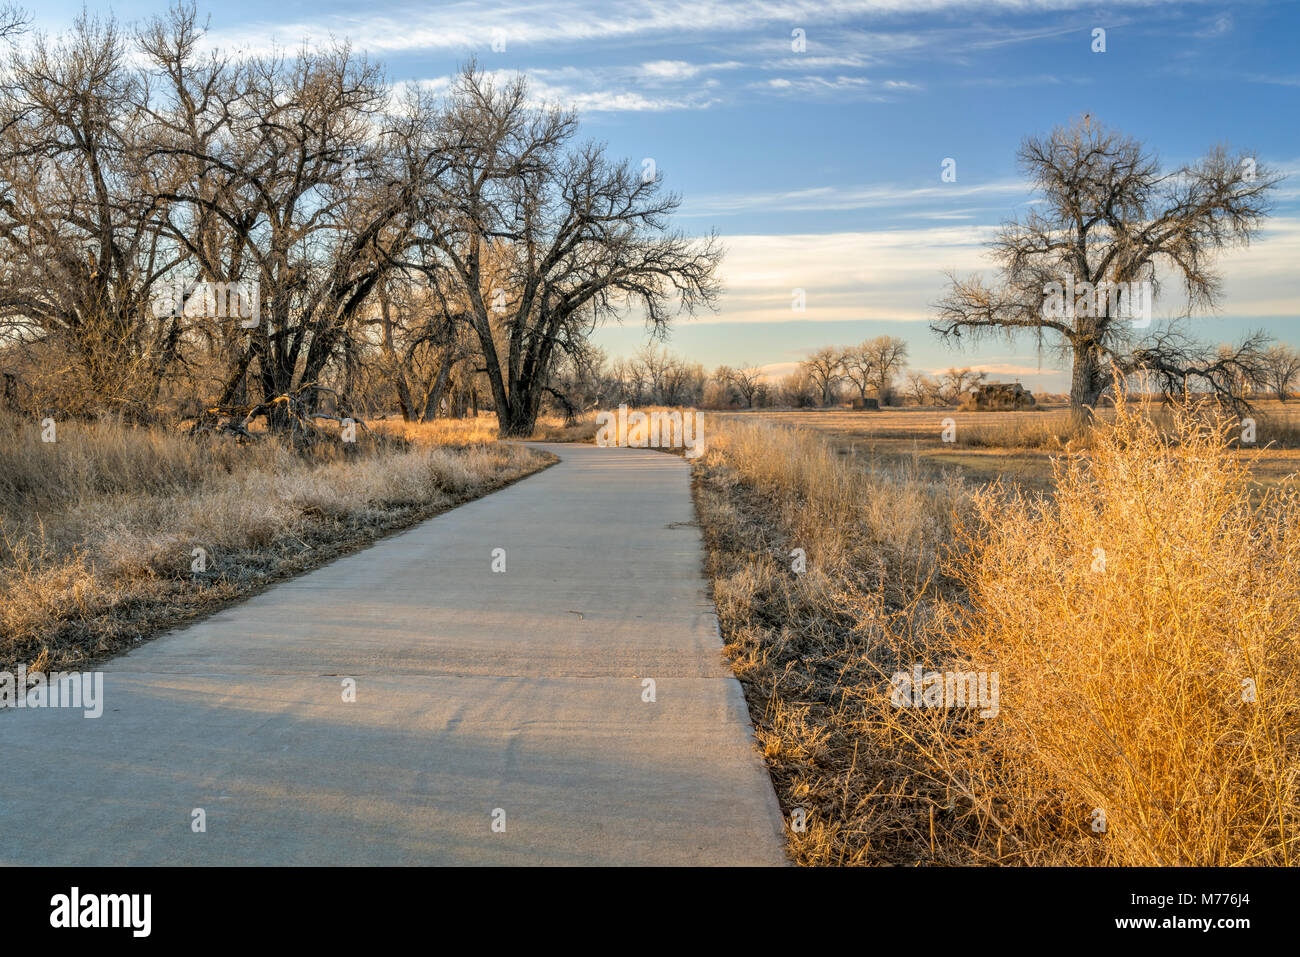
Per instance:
(481,696)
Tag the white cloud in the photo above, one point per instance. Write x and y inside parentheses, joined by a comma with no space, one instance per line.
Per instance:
(850,197)
(472,24)
(569,87)
(889,274)
(897,274)
(676,71)
(670,69)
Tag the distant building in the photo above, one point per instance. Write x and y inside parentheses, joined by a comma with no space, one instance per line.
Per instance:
(998,397)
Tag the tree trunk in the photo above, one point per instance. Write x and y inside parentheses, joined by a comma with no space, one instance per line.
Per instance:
(395,365)
(518,418)
(1085,382)
(433,398)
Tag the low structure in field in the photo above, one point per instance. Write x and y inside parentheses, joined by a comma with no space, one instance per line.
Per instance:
(997,397)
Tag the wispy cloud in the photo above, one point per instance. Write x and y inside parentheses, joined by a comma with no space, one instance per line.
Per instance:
(679,70)
(855,87)
(474,24)
(898,273)
(851,197)
(1216,26)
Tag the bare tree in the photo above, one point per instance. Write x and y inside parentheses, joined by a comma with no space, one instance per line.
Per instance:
(954,383)
(589,238)
(797,390)
(1109,221)
(578,383)
(874,365)
(14,21)
(744,382)
(421,343)
(79,226)
(1281,368)
(1173,361)
(287,184)
(921,387)
(859,368)
(825,368)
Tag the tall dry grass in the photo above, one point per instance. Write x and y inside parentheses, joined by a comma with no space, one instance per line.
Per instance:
(482,428)
(470,430)
(1143,619)
(98,528)
(1052,430)
(554,428)
(811,646)
(1121,689)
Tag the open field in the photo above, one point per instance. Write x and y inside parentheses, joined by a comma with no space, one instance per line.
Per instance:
(1015,446)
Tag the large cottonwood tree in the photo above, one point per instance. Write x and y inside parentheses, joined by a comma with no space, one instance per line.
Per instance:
(583,239)
(1108,214)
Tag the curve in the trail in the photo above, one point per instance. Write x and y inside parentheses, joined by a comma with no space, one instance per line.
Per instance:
(500,717)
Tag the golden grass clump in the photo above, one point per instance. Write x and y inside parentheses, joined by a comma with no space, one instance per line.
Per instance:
(1143,619)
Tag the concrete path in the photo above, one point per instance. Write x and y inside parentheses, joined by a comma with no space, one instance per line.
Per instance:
(477,693)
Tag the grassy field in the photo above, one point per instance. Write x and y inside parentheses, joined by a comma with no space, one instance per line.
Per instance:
(1141,619)
(1016,446)
(110,534)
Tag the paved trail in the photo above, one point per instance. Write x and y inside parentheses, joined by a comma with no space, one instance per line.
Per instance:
(475,691)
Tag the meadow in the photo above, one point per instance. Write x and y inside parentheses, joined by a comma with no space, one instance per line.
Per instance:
(1013,446)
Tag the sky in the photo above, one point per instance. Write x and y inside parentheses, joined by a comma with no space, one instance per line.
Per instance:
(812,136)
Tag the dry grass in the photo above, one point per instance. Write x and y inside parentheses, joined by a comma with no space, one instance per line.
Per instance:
(1016,446)
(471,430)
(1121,690)
(98,529)
(554,429)
(1127,614)
(811,647)
(483,428)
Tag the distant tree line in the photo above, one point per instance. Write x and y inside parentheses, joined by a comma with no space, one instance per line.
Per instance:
(872,370)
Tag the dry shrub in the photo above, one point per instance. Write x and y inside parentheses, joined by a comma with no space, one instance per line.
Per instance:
(1133,616)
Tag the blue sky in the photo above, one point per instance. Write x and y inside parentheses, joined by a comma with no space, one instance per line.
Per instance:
(820,168)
